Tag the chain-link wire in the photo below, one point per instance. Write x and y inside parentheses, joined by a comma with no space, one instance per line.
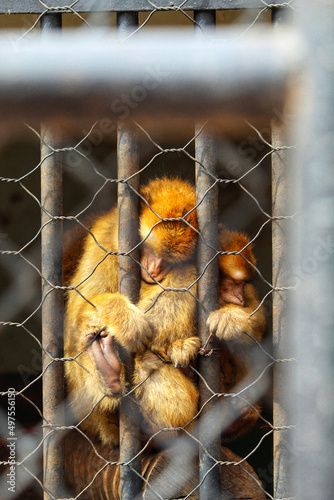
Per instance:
(90,184)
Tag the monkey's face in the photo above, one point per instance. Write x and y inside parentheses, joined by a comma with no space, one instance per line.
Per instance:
(154,268)
(231,291)
(168,224)
(166,245)
(234,273)
(236,269)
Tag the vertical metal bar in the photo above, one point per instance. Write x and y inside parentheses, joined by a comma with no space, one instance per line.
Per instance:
(209,366)
(280,268)
(208,299)
(205,19)
(207,213)
(281,330)
(314,259)
(129,277)
(53,306)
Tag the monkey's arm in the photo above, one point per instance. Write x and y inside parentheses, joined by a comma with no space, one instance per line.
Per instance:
(95,310)
(114,315)
(95,305)
(234,322)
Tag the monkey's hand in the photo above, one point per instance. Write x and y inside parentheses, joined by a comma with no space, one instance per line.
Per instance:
(231,322)
(182,351)
(114,315)
(107,362)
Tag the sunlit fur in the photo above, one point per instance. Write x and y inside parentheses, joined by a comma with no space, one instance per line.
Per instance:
(231,265)
(170,198)
(168,328)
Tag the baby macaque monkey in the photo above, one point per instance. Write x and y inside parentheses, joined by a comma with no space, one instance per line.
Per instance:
(236,322)
(237,295)
(162,322)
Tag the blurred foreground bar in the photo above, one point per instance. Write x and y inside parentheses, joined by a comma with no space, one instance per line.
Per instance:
(170,73)
(313,273)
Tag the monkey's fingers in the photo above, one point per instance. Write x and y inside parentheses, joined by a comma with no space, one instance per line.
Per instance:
(182,351)
(93,334)
(213,321)
(107,363)
(229,323)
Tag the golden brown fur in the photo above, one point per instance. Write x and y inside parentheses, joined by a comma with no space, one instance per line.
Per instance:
(168,328)
(234,241)
(174,241)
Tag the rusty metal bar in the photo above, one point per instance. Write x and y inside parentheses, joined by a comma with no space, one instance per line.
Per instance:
(128,278)
(205,19)
(281,187)
(35,7)
(207,213)
(53,304)
(281,330)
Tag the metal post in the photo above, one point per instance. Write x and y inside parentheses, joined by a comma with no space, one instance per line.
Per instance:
(129,278)
(207,214)
(53,306)
(281,331)
(314,259)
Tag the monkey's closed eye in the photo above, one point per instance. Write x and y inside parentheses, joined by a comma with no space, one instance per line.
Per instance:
(251,281)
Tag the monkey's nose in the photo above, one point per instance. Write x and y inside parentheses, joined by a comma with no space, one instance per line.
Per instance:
(154,273)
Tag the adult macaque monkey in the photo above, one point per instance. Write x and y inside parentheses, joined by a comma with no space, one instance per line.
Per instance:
(238,320)
(97,315)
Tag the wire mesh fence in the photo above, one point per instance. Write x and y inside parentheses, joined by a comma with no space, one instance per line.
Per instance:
(198,379)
